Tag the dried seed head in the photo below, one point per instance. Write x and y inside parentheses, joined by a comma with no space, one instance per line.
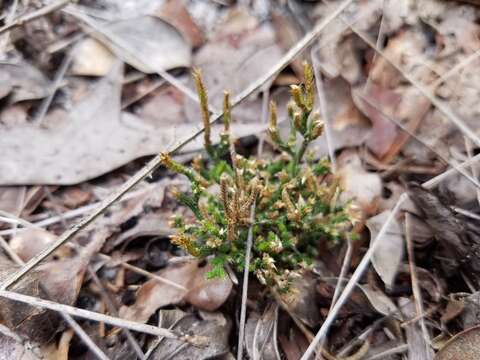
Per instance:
(227,112)
(203,98)
(309,85)
(297,96)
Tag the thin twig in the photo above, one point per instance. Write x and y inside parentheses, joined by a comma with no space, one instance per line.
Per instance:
(246,272)
(156,161)
(387,353)
(417,294)
(34,15)
(43,108)
(91,315)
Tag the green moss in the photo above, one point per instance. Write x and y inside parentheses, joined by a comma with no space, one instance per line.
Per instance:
(295,199)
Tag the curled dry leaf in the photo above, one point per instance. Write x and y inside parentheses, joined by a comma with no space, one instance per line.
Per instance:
(465,346)
(388,256)
(379,301)
(213,327)
(199,291)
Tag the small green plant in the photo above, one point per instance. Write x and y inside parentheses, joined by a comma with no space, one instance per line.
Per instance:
(290,201)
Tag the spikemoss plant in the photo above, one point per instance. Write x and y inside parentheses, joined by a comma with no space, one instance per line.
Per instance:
(290,201)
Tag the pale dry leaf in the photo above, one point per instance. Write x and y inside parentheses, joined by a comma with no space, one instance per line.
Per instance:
(82,147)
(12,199)
(199,291)
(28,243)
(388,256)
(91,58)
(13,349)
(240,46)
(359,185)
(147,43)
(25,81)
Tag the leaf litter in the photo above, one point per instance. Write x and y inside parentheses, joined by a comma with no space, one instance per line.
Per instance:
(385,135)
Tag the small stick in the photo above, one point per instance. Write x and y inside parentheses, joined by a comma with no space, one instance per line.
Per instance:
(157,160)
(417,294)
(91,315)
(34,15)
(393,351)
(246,271)
(43,108)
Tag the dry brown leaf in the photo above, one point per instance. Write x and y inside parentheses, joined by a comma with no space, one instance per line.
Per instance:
(199,291)
(175,12)
(12,199)
(349,127)
(240,46)
(301,300)
(27,243)
(388,256)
